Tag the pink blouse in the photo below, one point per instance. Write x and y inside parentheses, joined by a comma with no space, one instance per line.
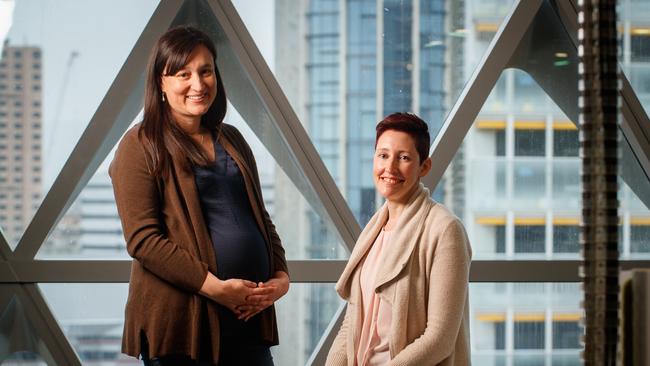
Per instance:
(373,342)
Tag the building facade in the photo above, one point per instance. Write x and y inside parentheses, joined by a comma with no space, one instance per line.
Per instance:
(20,138)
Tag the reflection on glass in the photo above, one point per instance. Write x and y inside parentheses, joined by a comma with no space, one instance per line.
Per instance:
(92,317)
(515,323)
(24,359)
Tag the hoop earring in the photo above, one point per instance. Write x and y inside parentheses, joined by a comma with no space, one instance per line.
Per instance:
(163,97)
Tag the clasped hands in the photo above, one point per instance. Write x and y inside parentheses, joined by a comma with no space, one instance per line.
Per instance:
(245,298)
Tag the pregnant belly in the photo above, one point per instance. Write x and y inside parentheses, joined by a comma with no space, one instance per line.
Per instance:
(241,254)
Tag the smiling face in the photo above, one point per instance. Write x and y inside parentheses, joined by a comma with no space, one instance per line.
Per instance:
(396,166)
(192,89)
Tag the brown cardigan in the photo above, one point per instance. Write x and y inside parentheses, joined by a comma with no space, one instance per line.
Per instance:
(166,235)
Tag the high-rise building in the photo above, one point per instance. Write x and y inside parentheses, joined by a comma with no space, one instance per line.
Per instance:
(20,138)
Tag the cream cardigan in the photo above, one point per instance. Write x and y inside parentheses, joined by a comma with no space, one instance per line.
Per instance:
(424,276)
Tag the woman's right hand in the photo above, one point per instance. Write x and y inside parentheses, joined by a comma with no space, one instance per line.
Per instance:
(229,293)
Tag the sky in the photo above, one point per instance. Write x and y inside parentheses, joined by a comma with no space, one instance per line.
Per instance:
(84,44)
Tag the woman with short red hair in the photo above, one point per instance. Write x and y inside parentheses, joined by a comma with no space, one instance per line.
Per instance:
(406,281)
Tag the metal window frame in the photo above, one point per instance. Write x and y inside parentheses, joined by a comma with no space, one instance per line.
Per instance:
(20,272)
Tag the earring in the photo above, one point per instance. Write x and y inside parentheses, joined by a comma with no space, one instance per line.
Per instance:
(163,97)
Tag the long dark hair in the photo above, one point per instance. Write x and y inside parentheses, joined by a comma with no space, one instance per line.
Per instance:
(162,138)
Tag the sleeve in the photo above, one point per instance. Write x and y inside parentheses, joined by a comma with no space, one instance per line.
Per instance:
(138,204)
(447,296)
(279,259)
(338,355)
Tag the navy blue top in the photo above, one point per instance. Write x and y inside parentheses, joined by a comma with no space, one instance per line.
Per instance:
(239,247)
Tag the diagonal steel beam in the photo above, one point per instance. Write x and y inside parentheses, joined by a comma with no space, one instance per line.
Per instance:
(117,110)
(55,347)
(478,88)
(319,355)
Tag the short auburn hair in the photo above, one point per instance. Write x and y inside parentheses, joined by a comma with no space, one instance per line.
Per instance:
(410,124)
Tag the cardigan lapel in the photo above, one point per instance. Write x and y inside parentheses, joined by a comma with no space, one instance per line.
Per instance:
(361,247)
(186,188)
(406,233)
(405,238)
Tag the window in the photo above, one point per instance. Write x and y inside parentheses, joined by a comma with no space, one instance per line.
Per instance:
(500,238)
(18,54)
(529,239)
(530,142)
(500,141)
(36,54)
(566,239)
(566,335)
(565,143)
(640,48)
(529,334)
(499,335)
(640,238)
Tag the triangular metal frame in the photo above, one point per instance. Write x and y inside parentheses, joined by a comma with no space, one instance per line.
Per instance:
(122,103)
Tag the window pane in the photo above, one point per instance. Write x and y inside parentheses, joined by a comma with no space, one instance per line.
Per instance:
(566,334)
(565,143)
(24,359)
(525,323)
(530,142)
(566,239)
(92,317)
(529,239)
(529,334)
(44,49)
(345,79)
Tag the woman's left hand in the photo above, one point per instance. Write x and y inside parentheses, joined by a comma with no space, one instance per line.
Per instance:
(264,295)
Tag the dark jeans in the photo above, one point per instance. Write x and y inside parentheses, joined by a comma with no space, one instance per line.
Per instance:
(230,354)
(239,353)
